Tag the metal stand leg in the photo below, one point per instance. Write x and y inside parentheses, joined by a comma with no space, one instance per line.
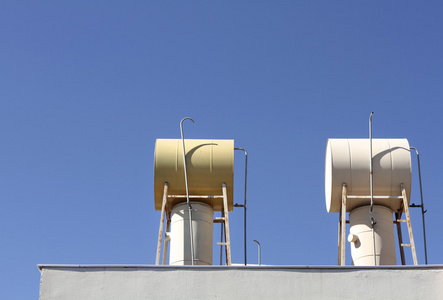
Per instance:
(400,236)
(166,244)
(408,221)
(342,229)
(162,223)
(226,216)
(224,219)
(222,241)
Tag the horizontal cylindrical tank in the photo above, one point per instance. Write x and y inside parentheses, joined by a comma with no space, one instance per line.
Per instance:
(362,245)
(348,161)
(202,227)
(210,163)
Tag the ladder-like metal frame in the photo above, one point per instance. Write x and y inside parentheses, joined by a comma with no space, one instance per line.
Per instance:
(404,208)
(162,225)
(398,221)
(224,220)
(163,239)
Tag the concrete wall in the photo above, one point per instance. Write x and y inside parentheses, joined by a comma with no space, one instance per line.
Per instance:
(264,282)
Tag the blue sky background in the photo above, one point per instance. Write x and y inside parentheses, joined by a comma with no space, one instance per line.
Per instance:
(87,86)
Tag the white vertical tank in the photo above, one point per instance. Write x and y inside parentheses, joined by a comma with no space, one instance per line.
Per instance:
(202,226)
(362,241)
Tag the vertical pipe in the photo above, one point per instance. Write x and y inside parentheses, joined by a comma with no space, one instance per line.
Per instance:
(191,236)
(244,205)
(371,174)
(371,182)
(373,239)
(259,252)
(423,211)
(342,233)
(221,246)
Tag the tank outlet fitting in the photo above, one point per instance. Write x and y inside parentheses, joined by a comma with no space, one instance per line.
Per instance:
(352,238)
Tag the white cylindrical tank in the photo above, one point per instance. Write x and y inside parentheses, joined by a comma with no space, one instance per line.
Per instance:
(348,161)
(362,241)
(202,226)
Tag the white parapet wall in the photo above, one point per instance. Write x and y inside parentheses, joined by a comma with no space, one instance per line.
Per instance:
(66,282)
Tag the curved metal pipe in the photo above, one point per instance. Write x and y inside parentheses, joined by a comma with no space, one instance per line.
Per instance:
(259,252)
(187,190)
(244,205)
(423,211)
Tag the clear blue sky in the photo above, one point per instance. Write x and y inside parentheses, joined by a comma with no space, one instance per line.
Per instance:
(87,86)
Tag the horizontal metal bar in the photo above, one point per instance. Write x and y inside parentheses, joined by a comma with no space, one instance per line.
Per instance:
(196,196)
(406,245)
(375,197)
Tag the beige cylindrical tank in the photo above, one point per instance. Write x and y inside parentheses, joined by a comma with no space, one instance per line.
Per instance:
(210,163)
(348,161)
(202,227)
(362,242)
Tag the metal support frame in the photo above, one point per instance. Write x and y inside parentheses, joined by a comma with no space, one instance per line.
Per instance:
(398,221)
(225,225)
(400,237)
(408,222)
(166,244)
(162,238)
(162,223)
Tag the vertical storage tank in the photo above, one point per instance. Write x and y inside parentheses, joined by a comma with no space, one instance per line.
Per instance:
(361,239)
(202,226)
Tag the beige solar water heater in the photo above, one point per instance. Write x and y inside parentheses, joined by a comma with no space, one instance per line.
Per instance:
(210,174)
(348,189)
